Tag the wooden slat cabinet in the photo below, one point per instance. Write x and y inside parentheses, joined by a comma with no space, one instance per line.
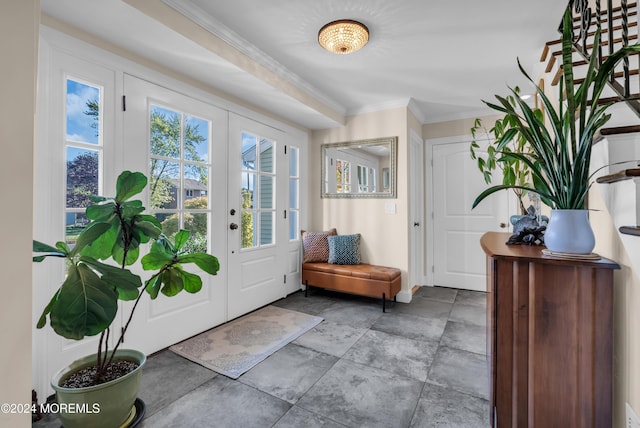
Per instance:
(549,338)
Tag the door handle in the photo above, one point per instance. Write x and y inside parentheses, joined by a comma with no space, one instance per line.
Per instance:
(416,224)
(503,225)
(233,226)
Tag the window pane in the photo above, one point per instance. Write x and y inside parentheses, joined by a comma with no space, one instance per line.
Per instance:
(82,112)
(293,225)
(165,132)
(266,156)
(170,223)
(196,139)
(75,222)
(82,176)
(195,187)
(196,223)
(293,193)
(247,191)
(293,161)
(266,227)
(248,227)
(267,192)
(249,143)
(164,184)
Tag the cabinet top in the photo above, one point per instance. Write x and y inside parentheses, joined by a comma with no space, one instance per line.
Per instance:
(494,245)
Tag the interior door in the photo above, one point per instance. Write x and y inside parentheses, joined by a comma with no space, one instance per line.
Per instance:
(180,143)
(257,227)
(458,260)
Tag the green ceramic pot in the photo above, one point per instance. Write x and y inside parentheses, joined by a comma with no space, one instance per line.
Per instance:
(108,405)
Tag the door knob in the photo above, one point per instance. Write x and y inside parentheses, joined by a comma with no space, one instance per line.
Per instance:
(232,212)
(503,225)
(416,224)
(233,226)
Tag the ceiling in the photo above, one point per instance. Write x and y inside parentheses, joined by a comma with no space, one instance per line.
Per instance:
(440,58)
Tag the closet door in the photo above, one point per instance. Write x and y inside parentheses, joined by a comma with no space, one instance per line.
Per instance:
(181,144)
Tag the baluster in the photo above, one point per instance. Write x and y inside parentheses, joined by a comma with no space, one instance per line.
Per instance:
(599,28)
(610,30)
(625,43)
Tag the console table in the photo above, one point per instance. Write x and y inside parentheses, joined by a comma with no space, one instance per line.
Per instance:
(549,337)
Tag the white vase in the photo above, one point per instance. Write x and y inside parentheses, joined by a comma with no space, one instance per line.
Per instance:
(569,231)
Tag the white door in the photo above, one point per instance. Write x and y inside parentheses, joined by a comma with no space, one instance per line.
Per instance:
(257,227)
(180,143)
(458,259)
(416,209)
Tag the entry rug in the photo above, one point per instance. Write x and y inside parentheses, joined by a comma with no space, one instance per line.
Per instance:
(235,347)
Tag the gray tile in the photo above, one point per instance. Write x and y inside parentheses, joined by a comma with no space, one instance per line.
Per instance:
(355,314)
(460,370)
(467,297)
(358,396)
(331,338)
(468,337)
(222,403)
(442,294)
(312,305)
(471,314)
(289,373)
(446,408)
(297,417)
(166,368)
(421,307)
(395,354)
(411,326)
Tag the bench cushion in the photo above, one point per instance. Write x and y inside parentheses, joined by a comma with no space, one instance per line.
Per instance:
(362,270)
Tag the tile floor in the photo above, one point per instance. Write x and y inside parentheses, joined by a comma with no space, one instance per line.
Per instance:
(421,364)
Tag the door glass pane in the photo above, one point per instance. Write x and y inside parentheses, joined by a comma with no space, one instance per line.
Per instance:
(249,143)
(196,185)
(248,226)
(164,185)
(293,161)
(266,156)
(266,228)
(293,193)
(75,222)
(82,113)
(196,139)
(165,132)
(267,192)
(247,191)
(196,223)
(293,225)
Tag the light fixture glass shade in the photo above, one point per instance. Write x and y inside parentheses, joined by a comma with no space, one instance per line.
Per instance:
(343,36)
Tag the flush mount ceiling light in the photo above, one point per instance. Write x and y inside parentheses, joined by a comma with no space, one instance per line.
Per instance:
(343,36)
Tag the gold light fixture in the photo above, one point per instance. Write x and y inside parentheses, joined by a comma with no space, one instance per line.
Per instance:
(343,36)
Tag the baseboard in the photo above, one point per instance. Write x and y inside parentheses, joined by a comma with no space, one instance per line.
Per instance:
(404,296)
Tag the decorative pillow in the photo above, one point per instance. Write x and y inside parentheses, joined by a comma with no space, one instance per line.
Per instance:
(344,249)
(315,246)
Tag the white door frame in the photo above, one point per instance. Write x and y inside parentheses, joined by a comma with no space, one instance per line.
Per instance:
(416,210)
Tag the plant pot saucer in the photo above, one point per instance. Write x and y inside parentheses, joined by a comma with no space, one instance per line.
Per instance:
(135,416)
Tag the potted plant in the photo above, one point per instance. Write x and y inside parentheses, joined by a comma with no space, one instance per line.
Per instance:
(514,172)
(560,150)
(86,303)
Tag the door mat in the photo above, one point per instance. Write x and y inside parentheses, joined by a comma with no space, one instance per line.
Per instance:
(235,347)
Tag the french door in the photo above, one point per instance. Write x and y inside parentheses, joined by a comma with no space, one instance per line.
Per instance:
(180,143)
(257,226)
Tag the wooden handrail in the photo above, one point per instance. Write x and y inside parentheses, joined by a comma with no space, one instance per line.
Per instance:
(625,174)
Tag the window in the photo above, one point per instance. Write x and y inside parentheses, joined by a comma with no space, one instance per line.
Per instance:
(84,151)
(294,195)
(363,179)
(180,167)
(258,191)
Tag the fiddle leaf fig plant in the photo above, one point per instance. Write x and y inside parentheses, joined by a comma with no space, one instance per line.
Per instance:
(86,302)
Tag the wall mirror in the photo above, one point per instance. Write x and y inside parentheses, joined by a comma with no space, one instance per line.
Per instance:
(360,169)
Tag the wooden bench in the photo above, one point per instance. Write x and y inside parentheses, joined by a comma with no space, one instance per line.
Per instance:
(362,279)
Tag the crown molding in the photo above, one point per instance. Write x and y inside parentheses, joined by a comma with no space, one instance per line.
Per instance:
(233,39)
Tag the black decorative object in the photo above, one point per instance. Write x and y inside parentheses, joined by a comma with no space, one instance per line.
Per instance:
(527,230)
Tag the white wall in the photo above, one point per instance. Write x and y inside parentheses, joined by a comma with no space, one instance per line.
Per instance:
(19,22)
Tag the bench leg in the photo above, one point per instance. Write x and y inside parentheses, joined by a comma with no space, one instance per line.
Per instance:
(384,301)
(306,287)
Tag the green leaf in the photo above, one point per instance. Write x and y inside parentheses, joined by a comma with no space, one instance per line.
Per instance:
(172,282)
(42,321)
(40,247)
(124,281)
(129,184)
(102,212)
(192,283)
(181,238)
(159,256)
(206,262)
(90,234)
(86,305)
